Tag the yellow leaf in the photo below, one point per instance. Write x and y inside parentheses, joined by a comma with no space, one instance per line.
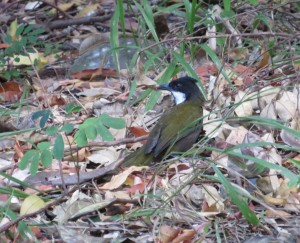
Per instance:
(64,7)
(13,29)
(31,204)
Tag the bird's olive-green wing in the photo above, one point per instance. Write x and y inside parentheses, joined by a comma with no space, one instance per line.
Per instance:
(153,139)
(174,125)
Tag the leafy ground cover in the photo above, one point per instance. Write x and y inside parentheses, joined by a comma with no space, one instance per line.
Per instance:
(78,92)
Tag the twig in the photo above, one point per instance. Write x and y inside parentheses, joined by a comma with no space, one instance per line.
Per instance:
(58,9)
(58,24)
(108,144)
(261,34)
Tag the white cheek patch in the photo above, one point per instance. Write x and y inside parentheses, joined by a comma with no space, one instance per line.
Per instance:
(179,97)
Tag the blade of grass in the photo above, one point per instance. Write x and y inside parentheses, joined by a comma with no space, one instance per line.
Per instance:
(189,70)
(216,61)
(122,16)
(9,134)
(169,72)
(284,171)
(22,183)
(148,17)
(236,198)
(114,37)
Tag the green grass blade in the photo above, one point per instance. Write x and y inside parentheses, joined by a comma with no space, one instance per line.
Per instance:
(216,61)
(148,17)
(189,70)
(236,198)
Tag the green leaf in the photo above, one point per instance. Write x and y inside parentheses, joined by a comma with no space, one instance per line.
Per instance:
(91,131)
(81,138)
(72,108)
(37,32)
(105,133)
(46,158)
(51,130)
(67,128)
(8,39)
(22,228)
(34,164)
(116,123)
(239,201)
(58,148)
(26,159)
(44,114)
(28,28)
(43,145)
(32,39)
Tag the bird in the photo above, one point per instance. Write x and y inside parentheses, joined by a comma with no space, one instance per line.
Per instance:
(177,129)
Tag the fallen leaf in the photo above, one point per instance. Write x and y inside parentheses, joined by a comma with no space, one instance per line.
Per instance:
(167,233)
(118,180)
(31,204)
(10,92)
(244,107)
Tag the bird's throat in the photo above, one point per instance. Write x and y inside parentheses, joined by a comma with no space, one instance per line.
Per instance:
(179,97)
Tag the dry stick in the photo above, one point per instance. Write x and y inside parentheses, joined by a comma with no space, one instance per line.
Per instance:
(280,34)
(108,144)
(58,9)
(58,24)
(13,222)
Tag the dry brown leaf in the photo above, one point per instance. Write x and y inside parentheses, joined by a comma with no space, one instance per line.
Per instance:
(63,6)
(105,156)
(213,197)
(118,180)
(89,10)
(293,202)
(237,135)
(185,235)
(117,194)
(167,233)
(81,155)
(277,213)
(272,200)
(264,61)
(10,92)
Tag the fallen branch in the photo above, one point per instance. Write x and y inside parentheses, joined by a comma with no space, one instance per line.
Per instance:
(108,144)
(59,24)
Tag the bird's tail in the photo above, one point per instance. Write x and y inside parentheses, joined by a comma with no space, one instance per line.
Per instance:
(138,158)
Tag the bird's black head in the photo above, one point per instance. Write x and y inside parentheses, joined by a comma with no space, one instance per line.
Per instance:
(183,89)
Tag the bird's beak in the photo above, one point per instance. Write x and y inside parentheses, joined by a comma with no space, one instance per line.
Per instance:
(164,87)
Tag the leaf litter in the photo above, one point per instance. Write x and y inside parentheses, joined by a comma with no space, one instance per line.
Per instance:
(181,199)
